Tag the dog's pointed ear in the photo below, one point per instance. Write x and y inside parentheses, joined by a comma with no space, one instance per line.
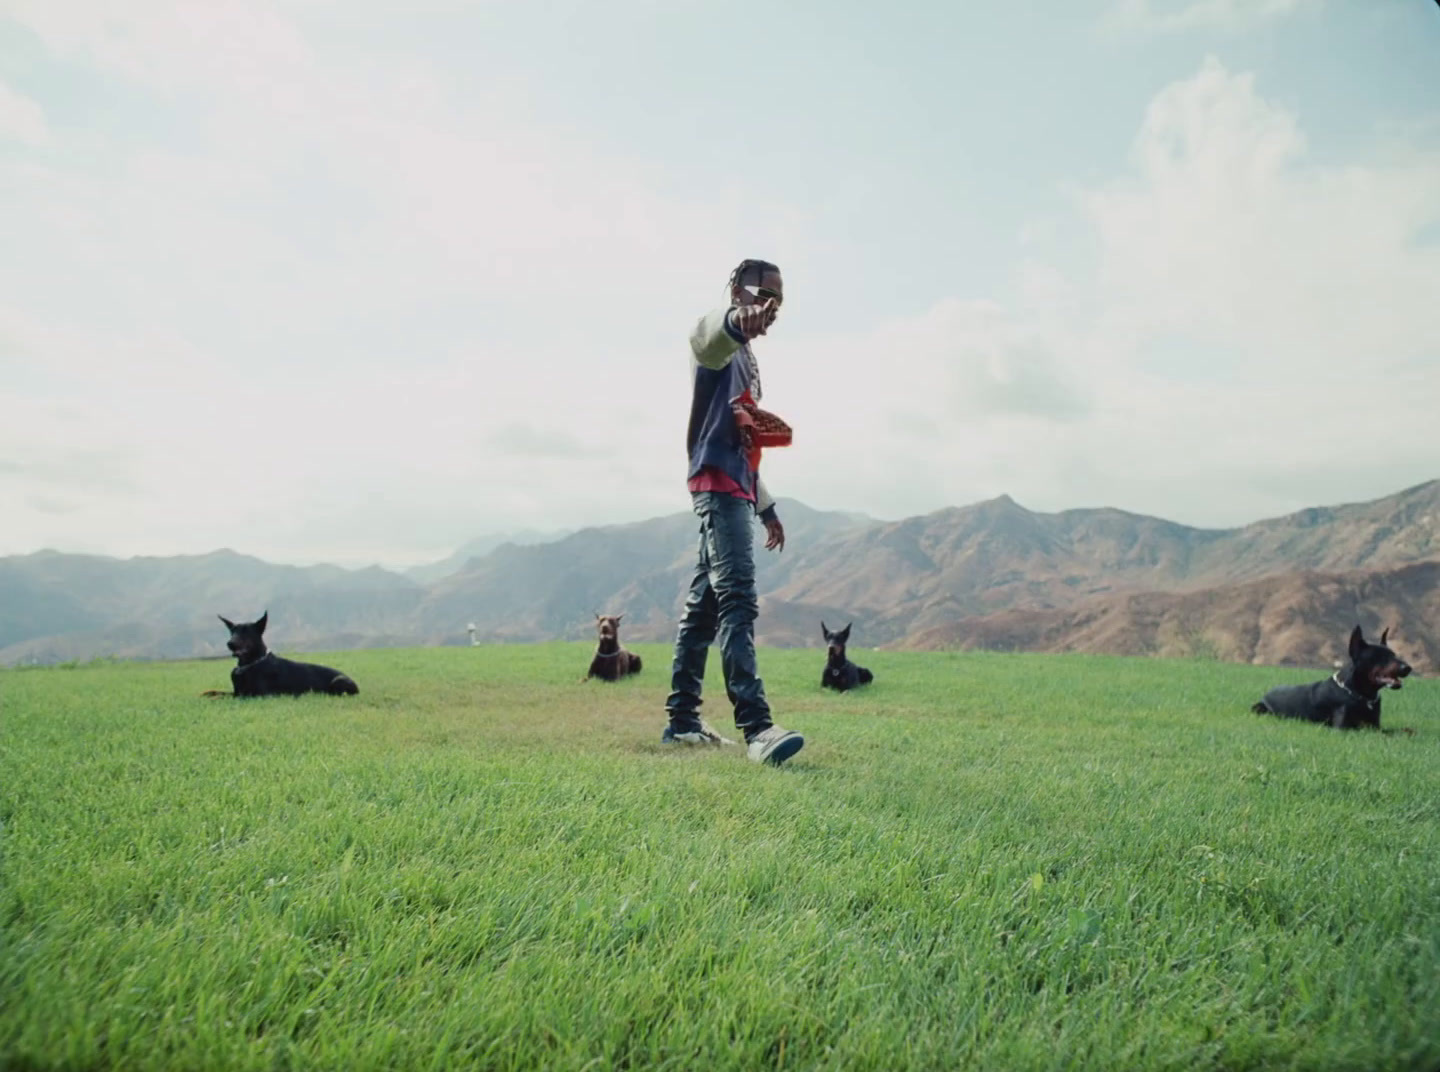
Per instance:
(844,635)
(228,623)
(1357,644)
(823,631)
(260,625)
(618,617)
(1385,637)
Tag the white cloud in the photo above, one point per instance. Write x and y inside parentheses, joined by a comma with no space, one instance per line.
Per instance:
(1226,234)
(337,287)
(21,118)
(1299,293)
(524,439)
(1257,322)
(229,46)
(348,314)
(326,191)
(962,402)
(1180,15)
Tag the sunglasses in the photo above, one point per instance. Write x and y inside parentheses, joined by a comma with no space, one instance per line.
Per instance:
(765,294)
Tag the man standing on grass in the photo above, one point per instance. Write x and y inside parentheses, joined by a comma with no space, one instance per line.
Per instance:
(726,491)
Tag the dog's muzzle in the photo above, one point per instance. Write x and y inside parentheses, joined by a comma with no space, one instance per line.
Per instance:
(1391,680)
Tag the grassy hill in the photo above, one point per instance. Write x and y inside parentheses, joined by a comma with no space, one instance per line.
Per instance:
(991,861)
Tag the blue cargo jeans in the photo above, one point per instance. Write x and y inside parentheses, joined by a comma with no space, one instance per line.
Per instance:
(722,601)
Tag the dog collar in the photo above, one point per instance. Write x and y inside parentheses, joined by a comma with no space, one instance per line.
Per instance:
(606,655)
(1368,703)
(257,662)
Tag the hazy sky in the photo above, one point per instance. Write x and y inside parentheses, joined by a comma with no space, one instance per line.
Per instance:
(356,281)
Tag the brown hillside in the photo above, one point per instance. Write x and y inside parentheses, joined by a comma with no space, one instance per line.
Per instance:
(1298,619)
(907,576)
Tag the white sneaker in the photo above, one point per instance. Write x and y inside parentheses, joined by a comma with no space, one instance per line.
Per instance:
(705,735)
(774,745)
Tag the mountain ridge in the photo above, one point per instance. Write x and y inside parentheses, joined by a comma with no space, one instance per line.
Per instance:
(900,581)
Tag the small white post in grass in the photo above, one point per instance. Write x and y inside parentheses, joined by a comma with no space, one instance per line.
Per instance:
(474,640)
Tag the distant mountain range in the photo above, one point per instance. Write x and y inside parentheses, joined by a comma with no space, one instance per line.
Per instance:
(479,548)
(990,575)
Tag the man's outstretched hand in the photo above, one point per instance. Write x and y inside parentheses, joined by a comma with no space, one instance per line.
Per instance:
(775,535)
(753,321)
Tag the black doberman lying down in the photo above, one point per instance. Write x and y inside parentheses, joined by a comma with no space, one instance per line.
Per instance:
(1349,700)
(840,673)
(260,672)
(611,662)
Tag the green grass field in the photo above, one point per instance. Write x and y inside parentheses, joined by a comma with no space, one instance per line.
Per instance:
(982,861)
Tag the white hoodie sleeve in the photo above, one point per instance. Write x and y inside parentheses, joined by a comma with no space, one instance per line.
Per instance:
(764,501)
(714,340)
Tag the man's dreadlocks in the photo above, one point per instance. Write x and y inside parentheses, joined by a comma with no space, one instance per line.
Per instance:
(748,273)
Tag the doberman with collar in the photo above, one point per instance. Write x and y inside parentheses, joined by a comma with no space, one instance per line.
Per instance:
(1349,700)
(260,672)
(611,662)
(840,673)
